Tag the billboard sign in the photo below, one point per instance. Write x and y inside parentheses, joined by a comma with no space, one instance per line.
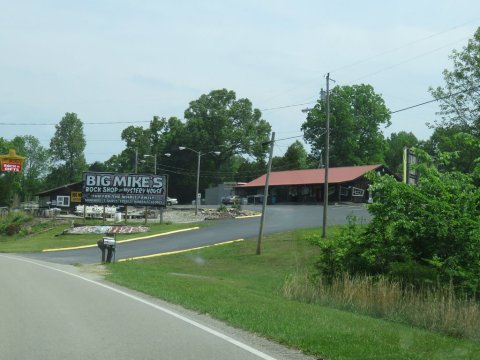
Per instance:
(410,173)
(100,188)
(11,165)
(76,196)
(11,162)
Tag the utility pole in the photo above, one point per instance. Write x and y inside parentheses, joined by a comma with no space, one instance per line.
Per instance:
(265,194)
(136,161)
(327,161)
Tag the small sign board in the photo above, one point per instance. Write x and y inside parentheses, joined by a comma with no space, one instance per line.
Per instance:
(11,166)
(76,196)
(101,188)
(410,174)
(11,162)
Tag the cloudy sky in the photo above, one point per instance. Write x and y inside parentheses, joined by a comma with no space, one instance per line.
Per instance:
(126,61)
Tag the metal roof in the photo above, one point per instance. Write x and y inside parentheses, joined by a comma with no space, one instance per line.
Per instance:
(336,175)
(66,186)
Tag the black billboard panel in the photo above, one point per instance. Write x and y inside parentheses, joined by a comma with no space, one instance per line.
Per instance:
(100,188)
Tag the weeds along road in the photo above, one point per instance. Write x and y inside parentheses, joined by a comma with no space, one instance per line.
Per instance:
(54,312)
(278,218)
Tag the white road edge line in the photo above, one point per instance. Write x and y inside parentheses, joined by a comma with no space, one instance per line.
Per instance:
(145,302)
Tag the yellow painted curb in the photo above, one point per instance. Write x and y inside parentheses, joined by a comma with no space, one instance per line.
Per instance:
(123,241)
(247,216)
(178,251)
(70,248)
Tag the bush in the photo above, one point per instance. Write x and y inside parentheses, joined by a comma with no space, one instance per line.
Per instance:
(337,254)
(12,224)
(222,208)
(12,229)
(420,233)
(237,206)
(433,227)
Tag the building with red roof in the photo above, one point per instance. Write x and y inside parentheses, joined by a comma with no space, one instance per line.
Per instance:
(346,183)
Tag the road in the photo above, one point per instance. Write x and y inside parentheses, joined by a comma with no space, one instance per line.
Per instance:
(51,310)
(278,218)
(54,312)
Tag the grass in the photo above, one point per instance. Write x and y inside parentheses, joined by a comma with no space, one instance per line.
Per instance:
(436,308)
(232,284)
(48,235)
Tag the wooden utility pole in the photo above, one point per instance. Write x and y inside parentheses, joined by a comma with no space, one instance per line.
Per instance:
(327,161)
(265,195)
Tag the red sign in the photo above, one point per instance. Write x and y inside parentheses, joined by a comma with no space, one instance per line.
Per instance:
(12,166)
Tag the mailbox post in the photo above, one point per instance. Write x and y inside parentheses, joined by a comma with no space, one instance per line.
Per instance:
(107,246)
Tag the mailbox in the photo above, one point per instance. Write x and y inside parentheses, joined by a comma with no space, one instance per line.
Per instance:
(107,244)
(109,241)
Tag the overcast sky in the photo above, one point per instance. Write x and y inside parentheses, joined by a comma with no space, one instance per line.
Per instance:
(126,61)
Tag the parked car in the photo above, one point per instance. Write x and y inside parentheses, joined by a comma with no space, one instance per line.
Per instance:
(171,201)
(234,199)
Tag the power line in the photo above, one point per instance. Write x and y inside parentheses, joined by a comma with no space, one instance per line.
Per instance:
(407,60)
(400,47)
(437,99)
(288,106)
(355,63)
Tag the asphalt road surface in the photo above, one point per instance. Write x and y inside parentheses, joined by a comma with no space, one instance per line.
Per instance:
(278,218)
(54,312)
(51,310)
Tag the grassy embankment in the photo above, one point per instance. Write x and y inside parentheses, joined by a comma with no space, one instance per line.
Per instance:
(39,236)
(251,292)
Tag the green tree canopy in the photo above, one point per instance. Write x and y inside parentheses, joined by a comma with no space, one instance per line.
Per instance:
(394,149)
(463,148)
(36,165)
(357,113)
(218,121)
(295,158)
(9,182)
(159,138)
(458,130)
(459,98)
(67,147)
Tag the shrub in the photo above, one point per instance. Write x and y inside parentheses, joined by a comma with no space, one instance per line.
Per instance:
(419,233)
(237,206)
(222,208)
(12,229)
(434,227)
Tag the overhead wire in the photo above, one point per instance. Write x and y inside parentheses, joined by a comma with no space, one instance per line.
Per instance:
(355,63)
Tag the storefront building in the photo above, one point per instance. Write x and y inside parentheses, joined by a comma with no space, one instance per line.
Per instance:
(345,184)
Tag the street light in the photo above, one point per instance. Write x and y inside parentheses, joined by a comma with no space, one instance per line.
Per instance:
(199,155)
(155,159)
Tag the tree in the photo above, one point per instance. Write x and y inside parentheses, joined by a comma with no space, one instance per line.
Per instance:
(394,149)
(156,139)
(460,97)
(36,165)
(458,130)
(9,182)
(357,113)
(250,170)
(462,148)
(295,158)
(218,121)
(67,146)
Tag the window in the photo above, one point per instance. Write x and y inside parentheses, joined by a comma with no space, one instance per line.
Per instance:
(63,200)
